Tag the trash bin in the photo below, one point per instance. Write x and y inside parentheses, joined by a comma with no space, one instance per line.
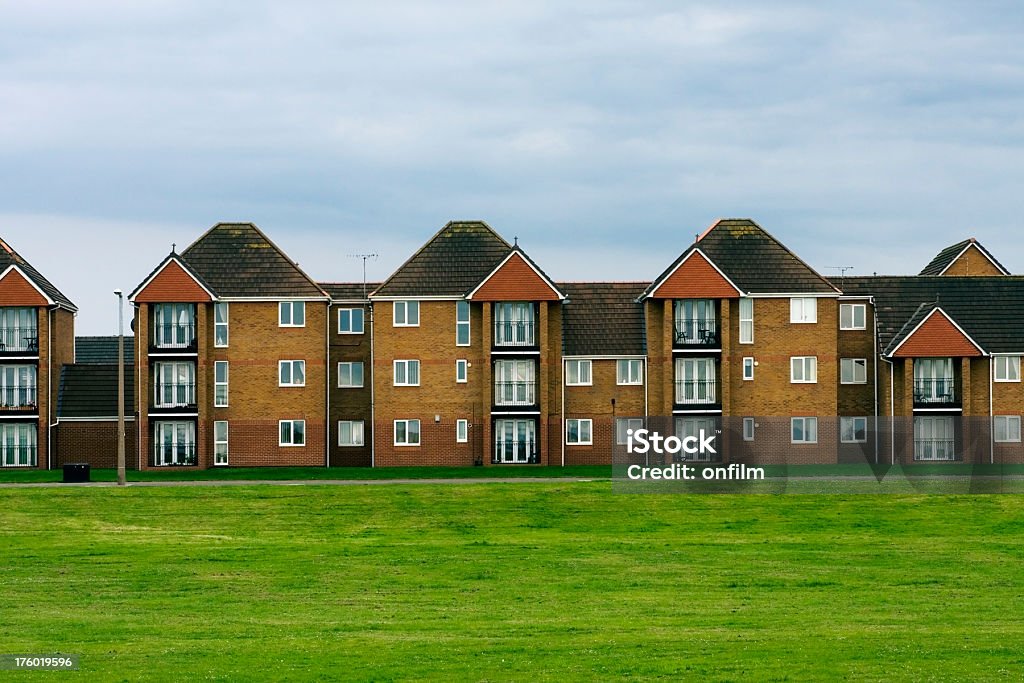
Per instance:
(76,472)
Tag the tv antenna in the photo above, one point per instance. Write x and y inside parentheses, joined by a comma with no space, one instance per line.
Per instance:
(373,256)
(842,272)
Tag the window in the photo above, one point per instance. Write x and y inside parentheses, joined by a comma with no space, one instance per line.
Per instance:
(350,374)
(577,372)
(291,314)
(804,430)
(803,309)
(350,433)
(406,314)
(623,425)
(220,384)
(174,385)
(292,433)
(578,432)
(461,431)
(462,323)
(461,371)
(695,322)
(1007,368)
(699,428)
(746,321)
(174,443)
(629,372)
(852,316)
(292,373)
(220,442)
(350,321)
(934,381)
(407,432)
(18,445)
(514,383)
(515,441)
(695,381)
(853,371)
(803,369)
(174,325)
(18,329)
(220,324)
(934,438)
(748,368)
(513,324)
(748,429)
(18,386)
(853,429)
(407,373)
(1007,428)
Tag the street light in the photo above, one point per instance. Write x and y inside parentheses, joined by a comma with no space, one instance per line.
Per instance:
(120,388)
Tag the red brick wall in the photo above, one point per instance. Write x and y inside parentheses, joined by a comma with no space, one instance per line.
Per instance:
(94,443)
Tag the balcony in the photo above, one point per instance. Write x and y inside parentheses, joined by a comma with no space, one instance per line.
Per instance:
(174,455)
(20,399)
(18,456)
(696,393)
(17,341)
(177,337)
(515,451)
(936,393)
(934,449)
(697,333)
(521,394)
(514,335)
(174,395)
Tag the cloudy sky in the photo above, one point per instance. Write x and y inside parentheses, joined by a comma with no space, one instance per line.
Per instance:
(603,134)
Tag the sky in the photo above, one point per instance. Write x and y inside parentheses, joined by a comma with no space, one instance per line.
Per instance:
(604,135)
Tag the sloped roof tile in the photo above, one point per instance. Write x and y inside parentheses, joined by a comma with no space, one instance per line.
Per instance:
(9,257)
(603,319)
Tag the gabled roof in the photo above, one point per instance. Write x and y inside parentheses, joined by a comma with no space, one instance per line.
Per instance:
(517,276)
(932,332)
(173,277)
(603,319)
(9,257)
(348,291)
(948,256)
(102,350)
(984,307)
(451,263)
(753,260)
(238,260)
(90,391)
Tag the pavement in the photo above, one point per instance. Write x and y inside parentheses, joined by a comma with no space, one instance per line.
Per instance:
(298,482)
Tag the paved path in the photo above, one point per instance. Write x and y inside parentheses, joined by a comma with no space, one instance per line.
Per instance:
(305,482)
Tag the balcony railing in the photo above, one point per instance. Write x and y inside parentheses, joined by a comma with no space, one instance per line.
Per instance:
(19,340)
(174,336)
(514,333)
(522,451)
(697,332)
(18,456)
(696,392)
(515,393)
(174,394)
(935,392)
(169,455)
(18,398)
(934,449)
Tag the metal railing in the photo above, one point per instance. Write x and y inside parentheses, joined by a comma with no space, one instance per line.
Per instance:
(513,451)
(696,392)
(940,390)
(696,332)
(19,339)
(168,455)
(18,398)
(934,449)
(18,456)
(515,393)
(174,335)
(174,394)
(514,333)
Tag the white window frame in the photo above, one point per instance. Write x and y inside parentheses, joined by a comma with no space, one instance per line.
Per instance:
(182,435)
(461,371)
(410,308)
(748,428)
(405,364)
(291,433)
(351,321)
(806,362)
(1010,428)
(853,309)
(461,324)
(622,424)
(579,364)
(182,384)
(351,366)
(220,446)
(804,422)
(584,431)
(748,368)
(218,324)
(803,310)
(19,386)
(746,319)
(852,421)
(291,365)
(629,377)
(462,431)
(291,307)
(19,446)
(1006,368)
(941,449)
(852,364)
(354,427)
(406,424)
(217,384)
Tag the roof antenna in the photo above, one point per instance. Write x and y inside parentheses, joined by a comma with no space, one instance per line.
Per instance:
(842,273)
(364,257)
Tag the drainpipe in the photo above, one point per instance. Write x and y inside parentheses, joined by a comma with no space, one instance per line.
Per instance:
(373,404)
(49,386)
(561,436)
(327,384)
(138,383)
(991,419)
(874,370)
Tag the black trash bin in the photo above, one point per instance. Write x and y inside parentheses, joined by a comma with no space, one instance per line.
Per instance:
(76,472)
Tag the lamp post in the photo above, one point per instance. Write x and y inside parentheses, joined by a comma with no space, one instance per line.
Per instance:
(120,388)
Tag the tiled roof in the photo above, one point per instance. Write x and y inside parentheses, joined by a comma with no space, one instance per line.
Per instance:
(348,291)
(985,307)
(944,259)
(9,257)
(238,260)
(603,319)
(451,263)
(753,260)
(102,350)
(91,391)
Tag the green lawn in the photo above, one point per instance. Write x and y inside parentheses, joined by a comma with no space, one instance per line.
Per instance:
(546,581)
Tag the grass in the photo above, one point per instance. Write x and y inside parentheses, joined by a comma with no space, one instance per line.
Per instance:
(547,581)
